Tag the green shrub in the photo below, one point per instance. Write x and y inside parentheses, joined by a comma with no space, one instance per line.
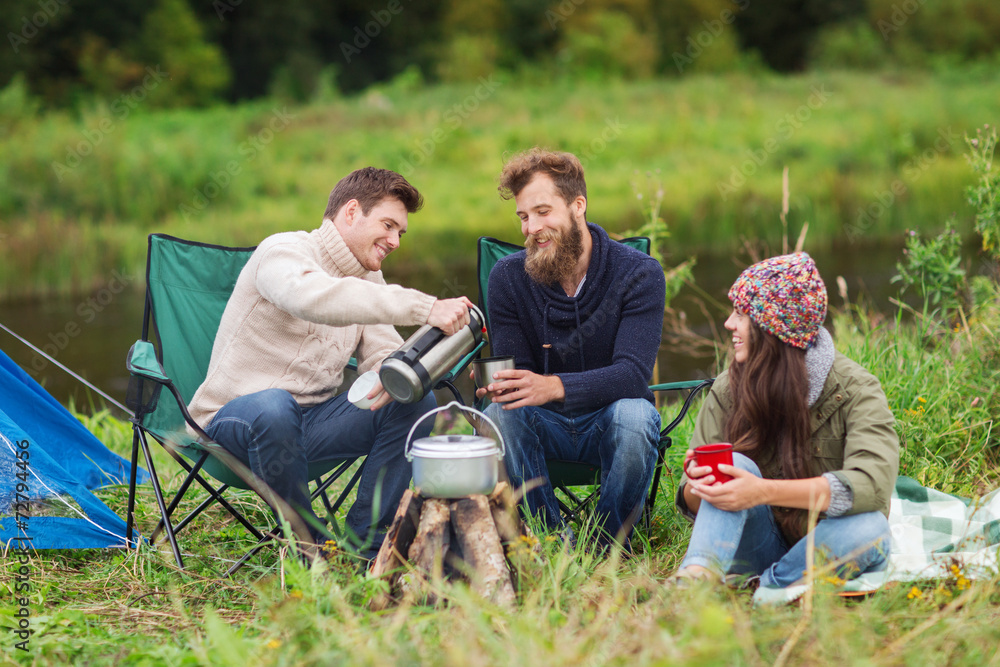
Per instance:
(607,44)
(853,45)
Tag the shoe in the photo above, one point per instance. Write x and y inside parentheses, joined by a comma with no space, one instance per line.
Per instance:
(743,582)
(685,579)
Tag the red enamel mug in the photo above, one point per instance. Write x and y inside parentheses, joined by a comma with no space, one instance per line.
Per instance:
(714,454)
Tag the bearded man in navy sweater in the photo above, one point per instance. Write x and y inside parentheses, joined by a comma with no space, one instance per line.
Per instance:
(581,314)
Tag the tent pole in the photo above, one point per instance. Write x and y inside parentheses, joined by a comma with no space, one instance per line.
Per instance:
(60,365)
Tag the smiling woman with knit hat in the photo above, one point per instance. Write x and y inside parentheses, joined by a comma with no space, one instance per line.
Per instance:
(810,429)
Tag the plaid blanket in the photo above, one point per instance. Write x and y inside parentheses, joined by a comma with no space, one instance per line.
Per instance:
(931,531)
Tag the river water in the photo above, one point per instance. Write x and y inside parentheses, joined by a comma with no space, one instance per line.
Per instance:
(92,333)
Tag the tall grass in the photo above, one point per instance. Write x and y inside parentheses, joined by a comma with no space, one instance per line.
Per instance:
(105,607)
(863,134)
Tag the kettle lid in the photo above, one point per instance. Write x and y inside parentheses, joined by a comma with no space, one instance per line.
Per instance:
(454,447)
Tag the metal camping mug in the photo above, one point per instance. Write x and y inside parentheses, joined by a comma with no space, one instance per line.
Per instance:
(483,369)
(453,466)
(409,373)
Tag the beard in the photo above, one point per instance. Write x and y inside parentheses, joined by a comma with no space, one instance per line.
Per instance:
(551,265)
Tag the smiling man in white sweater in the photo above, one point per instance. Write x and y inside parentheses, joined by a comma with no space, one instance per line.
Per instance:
(302,306)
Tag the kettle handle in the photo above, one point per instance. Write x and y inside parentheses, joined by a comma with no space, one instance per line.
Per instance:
(481,317)
(454,404)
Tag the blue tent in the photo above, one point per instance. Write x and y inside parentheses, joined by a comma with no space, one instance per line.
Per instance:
(63,462)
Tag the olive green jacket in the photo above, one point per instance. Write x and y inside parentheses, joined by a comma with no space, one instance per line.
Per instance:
(853,436)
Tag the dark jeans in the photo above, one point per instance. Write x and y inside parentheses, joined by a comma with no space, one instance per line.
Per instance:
(621,439)
(278,439)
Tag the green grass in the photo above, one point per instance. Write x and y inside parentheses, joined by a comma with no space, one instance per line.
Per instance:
(105,607)
(145,173)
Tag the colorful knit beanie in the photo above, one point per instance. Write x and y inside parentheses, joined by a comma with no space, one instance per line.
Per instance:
(785,296)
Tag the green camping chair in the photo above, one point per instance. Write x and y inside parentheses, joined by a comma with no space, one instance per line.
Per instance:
(566,474)
(187,287)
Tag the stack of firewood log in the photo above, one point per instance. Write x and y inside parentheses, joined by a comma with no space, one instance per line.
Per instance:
(432,540)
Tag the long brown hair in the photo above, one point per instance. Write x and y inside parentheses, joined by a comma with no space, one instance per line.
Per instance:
(770,416)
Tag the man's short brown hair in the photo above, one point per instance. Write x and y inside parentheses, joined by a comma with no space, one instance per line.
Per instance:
(370,186)
(564,169)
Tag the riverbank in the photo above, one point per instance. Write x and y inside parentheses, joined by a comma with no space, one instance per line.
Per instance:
(869,155)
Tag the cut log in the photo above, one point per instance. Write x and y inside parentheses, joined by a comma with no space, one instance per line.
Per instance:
(485,562)
(396,546)
(430,546)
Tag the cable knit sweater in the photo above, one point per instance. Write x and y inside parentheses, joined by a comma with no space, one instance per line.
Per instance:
(601,343)
(302,306)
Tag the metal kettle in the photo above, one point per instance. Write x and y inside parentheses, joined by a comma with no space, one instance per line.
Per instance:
(410,372)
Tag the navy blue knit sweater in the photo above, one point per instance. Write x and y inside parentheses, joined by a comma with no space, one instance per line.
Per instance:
(602,343)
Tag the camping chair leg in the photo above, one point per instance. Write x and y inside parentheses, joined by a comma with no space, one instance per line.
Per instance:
(661,461)
(573,513)
(319,492)
(216,495)
(130,514)
(261,543)
(198,510)
(192,473)
(566,509)
(332,509)
(159,500)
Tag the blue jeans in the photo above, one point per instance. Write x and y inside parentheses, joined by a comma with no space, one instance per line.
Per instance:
(621,439)
(750,542)
(277,439)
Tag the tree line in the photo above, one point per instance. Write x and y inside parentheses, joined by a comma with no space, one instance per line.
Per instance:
(70,51)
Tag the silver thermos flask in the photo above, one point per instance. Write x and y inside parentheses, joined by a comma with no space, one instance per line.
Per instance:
(410,372)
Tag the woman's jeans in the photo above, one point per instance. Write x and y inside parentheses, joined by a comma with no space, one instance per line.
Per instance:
(749,542)
(277,439)
(621,439)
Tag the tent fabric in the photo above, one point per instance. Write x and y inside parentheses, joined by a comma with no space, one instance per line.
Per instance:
(64,459)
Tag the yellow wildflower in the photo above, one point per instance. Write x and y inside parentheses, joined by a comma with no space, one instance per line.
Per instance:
(296,594)
(274,643)
(914,593)
(921,399)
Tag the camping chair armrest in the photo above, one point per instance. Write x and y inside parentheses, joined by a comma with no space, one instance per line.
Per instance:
(696,387)
(202,436)
(143,363)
